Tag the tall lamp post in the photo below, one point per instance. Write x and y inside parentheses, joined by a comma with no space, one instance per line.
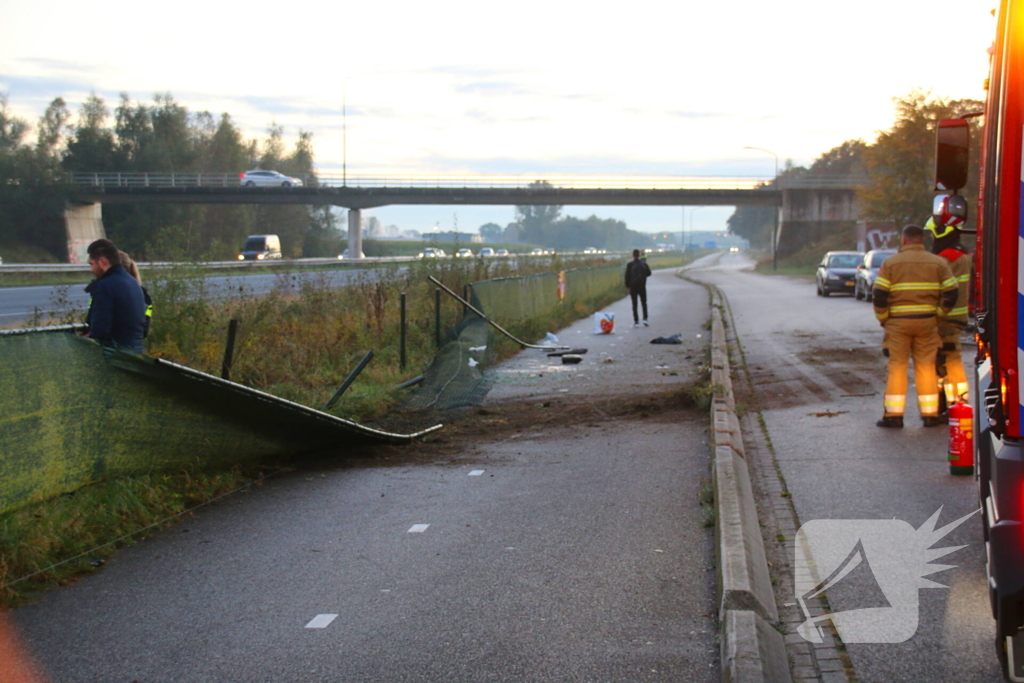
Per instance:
(694,210)
(775,219)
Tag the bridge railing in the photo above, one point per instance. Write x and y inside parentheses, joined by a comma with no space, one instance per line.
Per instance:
(213,180)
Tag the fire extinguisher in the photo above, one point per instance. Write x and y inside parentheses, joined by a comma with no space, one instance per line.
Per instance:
(961,439)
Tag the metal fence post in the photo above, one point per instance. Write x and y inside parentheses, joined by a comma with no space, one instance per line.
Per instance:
(437,317)
(229,350)
(401,302)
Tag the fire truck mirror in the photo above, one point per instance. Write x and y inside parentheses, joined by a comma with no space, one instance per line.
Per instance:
(951,152)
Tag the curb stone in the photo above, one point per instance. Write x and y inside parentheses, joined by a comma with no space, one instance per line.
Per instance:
(752,649)
(826,662)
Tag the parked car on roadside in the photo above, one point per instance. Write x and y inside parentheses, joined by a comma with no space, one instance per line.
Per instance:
(258,178)
(867,271)
(837,272)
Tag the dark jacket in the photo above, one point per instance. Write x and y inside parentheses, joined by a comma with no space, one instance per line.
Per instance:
(637,272)
(117,313)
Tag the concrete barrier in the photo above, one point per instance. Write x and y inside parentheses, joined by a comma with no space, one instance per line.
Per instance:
(753,651)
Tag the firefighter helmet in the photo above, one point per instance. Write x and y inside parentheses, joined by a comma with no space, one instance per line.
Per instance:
(950,213)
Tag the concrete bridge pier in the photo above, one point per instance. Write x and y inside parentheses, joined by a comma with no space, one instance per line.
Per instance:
(809,214)
(83,226)
(355,233)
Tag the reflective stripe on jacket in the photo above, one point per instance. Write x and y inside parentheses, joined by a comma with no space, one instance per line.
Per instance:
(960,264)
(914,284)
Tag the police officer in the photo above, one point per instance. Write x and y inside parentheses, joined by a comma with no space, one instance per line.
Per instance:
(912,290)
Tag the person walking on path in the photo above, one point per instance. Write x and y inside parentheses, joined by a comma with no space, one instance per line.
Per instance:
(117,312)
(913,289)
(637,272)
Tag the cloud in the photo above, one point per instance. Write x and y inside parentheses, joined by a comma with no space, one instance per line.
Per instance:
(47,87)
(492,88)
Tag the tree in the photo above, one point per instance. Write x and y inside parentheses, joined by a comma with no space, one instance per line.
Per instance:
(491,232)
(52,127)
(535,221)
(32,194)
(900,163)
(845,160)
(92,147)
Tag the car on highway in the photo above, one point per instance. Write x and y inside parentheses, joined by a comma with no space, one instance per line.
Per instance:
(538,252)
(867,271)
(464,253)
(344,255)
(432,252)
(837,272)
(501,252)
(590,250)
(259,178)
(486,252)
(260,248)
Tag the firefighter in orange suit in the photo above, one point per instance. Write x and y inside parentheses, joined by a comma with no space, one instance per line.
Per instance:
(947,245)
(912,290)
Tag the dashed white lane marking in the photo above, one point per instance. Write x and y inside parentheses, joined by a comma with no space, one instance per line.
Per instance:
(418,528)
(476,473)
(322,621)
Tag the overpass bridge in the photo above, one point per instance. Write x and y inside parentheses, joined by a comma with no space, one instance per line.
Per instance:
(818,198)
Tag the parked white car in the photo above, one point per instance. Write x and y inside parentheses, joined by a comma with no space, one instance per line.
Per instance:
(267,179)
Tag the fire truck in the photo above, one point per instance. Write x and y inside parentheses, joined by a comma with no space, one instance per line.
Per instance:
(999,305)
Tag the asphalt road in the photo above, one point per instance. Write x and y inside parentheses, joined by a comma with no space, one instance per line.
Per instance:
(817,366)
(19,304)
(570,550)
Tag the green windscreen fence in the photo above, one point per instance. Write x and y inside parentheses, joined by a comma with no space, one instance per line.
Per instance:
(456,378)
(73,412)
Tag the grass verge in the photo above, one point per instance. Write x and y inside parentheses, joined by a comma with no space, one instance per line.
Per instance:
(57,542)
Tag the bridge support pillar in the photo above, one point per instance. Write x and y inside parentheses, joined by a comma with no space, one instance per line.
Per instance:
(84,225)
(355,233)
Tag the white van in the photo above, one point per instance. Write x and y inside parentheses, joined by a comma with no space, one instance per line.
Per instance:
(260,248)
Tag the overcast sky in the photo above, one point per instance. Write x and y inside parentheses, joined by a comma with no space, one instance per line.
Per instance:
(636,88)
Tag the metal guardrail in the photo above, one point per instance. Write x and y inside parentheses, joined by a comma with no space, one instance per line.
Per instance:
(230,265)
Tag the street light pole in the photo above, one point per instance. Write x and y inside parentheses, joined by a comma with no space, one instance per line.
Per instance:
(775,218)
(693,210)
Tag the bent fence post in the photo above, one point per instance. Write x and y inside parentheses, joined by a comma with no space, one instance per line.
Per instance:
(491,322)
(348,381)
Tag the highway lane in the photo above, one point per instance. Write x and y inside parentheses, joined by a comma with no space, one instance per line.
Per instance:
(571,549)
(820,376)
(19,304)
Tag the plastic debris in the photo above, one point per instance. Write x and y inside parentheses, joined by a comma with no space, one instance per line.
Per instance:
(571,359)
(478,348)
(674,339)
(473,363)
